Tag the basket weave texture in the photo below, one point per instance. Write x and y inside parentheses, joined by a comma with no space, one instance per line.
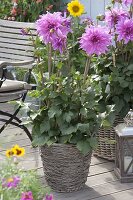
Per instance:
(65,167)
(106,141)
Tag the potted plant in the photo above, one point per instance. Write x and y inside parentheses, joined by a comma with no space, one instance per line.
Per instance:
(67,122)
(114,72)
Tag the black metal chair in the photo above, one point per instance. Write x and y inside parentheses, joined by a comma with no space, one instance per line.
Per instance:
(15,51)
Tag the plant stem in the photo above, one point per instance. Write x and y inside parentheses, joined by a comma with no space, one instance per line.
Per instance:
(68,61)
(87,67)
(38,58)
(122,50)
(131,10)
(129,57)
(49,59)
(54,61)
(114,59)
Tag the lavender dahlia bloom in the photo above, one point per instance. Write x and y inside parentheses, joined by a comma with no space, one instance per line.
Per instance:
(112,17)
(53,28)
(11,182)
(124,29)
(66,25)
(49,197)
(128,2)
(50,24)
(95,40)
(59,44)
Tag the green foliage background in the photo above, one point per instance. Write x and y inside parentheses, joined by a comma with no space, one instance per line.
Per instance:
(29,10)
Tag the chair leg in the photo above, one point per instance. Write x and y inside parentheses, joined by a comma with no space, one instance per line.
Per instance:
(10,121)
(14,115)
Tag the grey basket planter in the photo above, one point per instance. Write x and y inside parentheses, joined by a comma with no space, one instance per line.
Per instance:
(106,141)
(65,167)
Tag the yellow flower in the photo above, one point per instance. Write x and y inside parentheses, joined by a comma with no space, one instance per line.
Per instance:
(19,151)
(10,180)
(75,8)
(10,152)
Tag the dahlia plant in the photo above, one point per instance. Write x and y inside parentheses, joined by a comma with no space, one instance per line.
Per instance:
(114,70)
(68,106)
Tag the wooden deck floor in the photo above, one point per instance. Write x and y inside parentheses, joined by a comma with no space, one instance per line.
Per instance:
(101,183)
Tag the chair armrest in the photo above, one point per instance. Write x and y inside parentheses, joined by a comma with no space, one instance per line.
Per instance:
(23,64)
(2,64)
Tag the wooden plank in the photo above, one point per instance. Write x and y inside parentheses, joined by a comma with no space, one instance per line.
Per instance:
(10,137)
(29,66)
(13,131)
(28,149)
(97,161)
(31,157)
(30,162)
(16,36)
(124,195)
(15,30)
(16,52)
(6,106)
(101,179)
(101,168)
(22,143)
(7,59)
(15,46)
(15,24)
(16,41)
(15,57)
(97,192)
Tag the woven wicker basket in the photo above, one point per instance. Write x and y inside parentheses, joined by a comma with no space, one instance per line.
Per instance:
(65,167)
(106,142)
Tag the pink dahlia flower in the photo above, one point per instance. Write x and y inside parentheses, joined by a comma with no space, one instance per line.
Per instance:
(49,197)
(27,196)
(128,2)
(11,182)
(59,44)
(66,23)
(112,17)
(95,40)
(50,25)
(124,30)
